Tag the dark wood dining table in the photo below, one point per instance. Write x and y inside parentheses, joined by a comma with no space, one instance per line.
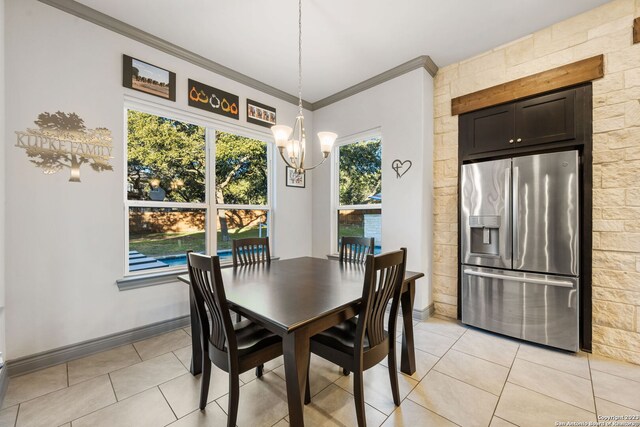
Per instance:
(295,299)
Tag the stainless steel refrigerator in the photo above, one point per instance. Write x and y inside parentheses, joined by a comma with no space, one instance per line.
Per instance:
(520,247)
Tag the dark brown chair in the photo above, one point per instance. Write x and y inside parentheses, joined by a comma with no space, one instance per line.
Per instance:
(356,249)
(359,344)
(252,250)
(234,348)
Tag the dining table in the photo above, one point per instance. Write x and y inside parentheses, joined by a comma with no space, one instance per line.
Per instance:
(295,299)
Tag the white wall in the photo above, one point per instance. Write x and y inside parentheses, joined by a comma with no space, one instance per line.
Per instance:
(402,109)
(66,239)
(2,181)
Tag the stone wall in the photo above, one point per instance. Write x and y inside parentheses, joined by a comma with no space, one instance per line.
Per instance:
(616,166)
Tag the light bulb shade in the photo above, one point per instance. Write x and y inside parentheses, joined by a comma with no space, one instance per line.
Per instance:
(326,141)
(281,134)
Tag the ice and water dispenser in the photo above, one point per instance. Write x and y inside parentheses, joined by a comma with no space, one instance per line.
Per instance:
(485,234)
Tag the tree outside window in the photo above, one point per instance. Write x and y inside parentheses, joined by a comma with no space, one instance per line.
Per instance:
(359,210)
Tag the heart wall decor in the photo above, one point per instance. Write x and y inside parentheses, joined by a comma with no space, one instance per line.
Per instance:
(401,167)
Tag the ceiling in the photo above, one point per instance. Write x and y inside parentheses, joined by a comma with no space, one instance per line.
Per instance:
(344,42)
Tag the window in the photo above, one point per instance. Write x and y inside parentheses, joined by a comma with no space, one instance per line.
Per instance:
(170,206)
(359,190)
(242,189)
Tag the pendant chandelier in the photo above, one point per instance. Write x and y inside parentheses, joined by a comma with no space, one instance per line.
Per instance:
(291,142)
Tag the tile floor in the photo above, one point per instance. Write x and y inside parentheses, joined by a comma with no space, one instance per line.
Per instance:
(464,377)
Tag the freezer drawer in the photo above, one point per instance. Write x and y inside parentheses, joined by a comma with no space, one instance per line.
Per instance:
(534,307)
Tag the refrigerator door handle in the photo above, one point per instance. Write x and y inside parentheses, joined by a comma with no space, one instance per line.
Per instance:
(515,227)
(559,283)
(507,206)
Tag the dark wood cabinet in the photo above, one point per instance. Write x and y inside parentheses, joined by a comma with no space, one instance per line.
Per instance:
(504,128)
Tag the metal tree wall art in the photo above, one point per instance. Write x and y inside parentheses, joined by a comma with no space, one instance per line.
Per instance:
(63,141)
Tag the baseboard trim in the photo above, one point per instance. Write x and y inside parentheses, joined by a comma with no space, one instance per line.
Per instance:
(428,312)
(4,383)
(24,365)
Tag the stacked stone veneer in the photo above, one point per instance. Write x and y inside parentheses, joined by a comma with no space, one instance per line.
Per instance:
(616,166)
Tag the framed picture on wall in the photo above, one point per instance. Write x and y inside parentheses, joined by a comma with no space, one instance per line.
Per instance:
(294,179)
(260,114)
(214,100)
(148,78)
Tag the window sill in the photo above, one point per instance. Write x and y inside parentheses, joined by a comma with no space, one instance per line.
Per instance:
(158,278)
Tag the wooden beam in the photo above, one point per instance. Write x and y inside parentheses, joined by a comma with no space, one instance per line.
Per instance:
(636,30)
(557,78)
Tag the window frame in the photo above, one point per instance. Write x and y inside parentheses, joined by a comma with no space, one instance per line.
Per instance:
(335,182)
(211,126)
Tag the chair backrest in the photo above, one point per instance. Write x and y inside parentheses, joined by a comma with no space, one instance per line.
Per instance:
(356,249)
(250,251)
(383,280)
(208,289)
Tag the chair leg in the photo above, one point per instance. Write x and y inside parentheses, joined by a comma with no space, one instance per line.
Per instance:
(358,394)
(345,372)
(204,382)
(393,375)
(234,398)
(259,370)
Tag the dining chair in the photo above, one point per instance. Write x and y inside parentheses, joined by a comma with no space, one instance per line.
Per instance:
(252,250)
(234,348)
(356,249)
(359,344)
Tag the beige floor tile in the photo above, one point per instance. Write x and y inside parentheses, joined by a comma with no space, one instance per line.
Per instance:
(410,414)
(29,386)
(187,330)
(150,373)
(162,344)
(473,370)
(333,406)
(183,393)
(250,375)
(184,356)
(488,346)
(102,363)
(281,423)
(321,374)
(455,400)
(499,422)
(527,408)
(8,416)
(212,416)
(424,362)
(431,343)
(147,409)
(377,388)
(571,363)
(67,404)
(263,402)
(553,383)
(446,327)
(616,389)
(605,408)
(615,367)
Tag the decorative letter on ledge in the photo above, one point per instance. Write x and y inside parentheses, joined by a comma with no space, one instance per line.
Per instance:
(636,30)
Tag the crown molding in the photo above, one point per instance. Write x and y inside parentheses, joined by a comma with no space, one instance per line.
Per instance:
(423,61)
(103,20)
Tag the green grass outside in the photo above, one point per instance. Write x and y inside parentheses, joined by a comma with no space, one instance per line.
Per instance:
(165,244)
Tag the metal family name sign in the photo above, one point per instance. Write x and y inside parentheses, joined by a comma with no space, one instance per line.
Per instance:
(62,140)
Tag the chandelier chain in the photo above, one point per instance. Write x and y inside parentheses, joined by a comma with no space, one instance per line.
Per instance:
(300,56)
